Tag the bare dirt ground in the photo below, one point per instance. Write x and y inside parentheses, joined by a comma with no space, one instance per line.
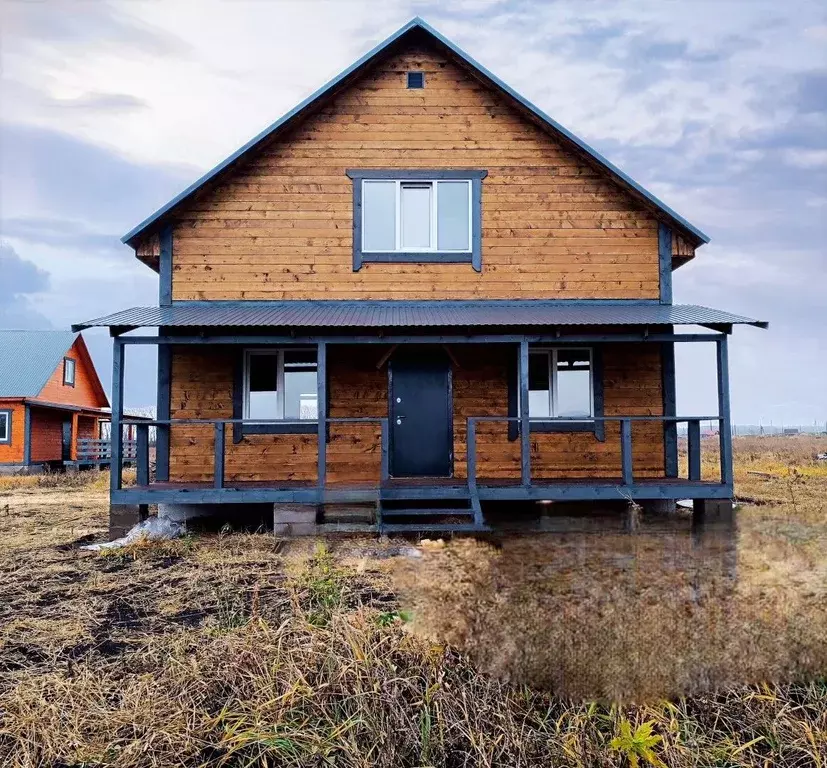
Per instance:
(588,646)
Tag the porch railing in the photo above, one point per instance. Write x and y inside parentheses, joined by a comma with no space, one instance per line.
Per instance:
(626,464)
(99,451)
(138,450)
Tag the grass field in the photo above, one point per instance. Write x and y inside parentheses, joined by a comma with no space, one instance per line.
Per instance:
(593,645)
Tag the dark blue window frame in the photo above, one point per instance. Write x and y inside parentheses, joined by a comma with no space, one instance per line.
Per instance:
(415,79)
(474,257)
(7,439)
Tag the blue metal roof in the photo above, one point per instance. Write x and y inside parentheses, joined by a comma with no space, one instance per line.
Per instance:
(28,359)
(415,23)
(409,314)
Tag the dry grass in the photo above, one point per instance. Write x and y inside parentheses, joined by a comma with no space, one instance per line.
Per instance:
(239,650)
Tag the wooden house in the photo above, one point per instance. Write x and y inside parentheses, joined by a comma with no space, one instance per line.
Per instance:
(419,292)
(51,400)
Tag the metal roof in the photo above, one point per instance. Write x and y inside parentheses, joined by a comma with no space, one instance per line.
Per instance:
(353,69)
(28,359)
(408,314)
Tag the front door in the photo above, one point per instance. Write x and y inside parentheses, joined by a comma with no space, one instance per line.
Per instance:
(421,413)
(66,442)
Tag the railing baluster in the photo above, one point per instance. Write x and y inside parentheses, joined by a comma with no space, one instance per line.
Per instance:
(219,455)
(141,454)
(626,451)
(693,435)
(385,473)
(471,455)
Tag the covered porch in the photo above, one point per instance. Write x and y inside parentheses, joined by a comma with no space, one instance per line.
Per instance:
(496,450)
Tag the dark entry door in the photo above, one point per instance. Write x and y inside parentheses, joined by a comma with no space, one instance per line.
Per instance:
(421,412)
(66,442)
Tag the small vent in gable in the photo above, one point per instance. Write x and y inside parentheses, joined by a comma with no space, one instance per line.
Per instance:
(416,79)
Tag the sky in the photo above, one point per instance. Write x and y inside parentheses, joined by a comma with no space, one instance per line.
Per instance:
(108,109)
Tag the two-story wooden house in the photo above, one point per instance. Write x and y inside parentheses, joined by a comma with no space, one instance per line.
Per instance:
(417,290)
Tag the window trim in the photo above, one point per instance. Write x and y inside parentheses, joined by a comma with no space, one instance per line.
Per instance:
(7,412)
(71,360)
(408,79)
(433,255)
(552,424)
(551,353)
(290,426)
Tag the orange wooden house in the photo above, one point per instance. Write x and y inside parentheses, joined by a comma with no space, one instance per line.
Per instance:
(50,399)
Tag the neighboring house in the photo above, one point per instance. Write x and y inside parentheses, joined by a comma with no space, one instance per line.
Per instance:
(50,399)
(416,291)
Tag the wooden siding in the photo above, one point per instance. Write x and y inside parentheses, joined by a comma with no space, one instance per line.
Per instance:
(84,393)
(202,381)
(280,225)
(12,453)
(47,434)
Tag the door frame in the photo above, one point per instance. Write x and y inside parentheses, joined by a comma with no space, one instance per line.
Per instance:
(449,414)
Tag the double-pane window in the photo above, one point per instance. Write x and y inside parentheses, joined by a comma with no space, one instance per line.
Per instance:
(416,216)
(560,383)
(281,384)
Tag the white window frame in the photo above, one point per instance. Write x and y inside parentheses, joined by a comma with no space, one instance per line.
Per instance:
(5,436)
(66,367)
(434,212)
(551,356)
(279,354)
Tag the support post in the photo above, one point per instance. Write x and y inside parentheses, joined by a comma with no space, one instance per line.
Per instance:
(321,410)
(27,436)
(626,451)
(525,427)
(724,425)
(165,267)
(142,454)
(162,431)
(218,478)
(116,436)
(693,436)
(665,259)
(385,468)
(670,428)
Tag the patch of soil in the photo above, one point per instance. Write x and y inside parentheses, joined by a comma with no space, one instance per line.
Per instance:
(21,657)
(68,547)
(189,617)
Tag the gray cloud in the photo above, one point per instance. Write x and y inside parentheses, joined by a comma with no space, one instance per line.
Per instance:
(59,233)
(21,279)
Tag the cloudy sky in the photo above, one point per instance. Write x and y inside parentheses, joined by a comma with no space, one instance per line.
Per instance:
(108,109)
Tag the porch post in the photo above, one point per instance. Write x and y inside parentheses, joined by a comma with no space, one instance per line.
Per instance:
(116,438)
(321,411)
(27,435)
(525,434)
(725,425)
(670,429)
(163,412)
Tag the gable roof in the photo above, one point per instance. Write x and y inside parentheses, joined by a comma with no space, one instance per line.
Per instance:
(29,358)
(342,80)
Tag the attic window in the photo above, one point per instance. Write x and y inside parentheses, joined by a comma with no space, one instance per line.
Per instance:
(68,372)
(416,79)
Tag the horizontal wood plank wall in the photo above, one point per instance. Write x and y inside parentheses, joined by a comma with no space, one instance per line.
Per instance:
(632,386)
(280,226)
(202,388)
(202,382)
(83,393)
(12,453)
(47,434)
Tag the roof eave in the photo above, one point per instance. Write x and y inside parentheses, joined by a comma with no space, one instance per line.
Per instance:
(131,237)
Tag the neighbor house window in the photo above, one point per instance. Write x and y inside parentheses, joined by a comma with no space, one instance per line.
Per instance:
(416,216)
(560,383)
(5,427)
(68,372)
(281,385)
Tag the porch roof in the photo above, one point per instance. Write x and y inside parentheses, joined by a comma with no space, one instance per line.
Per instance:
(414,314)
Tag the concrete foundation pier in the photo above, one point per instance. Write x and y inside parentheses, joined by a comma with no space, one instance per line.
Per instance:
(123,517)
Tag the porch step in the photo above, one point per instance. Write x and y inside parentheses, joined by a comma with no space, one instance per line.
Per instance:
(434,527)
(427,512)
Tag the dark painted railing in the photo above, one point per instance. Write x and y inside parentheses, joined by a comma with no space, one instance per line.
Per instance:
(626,465)
(140,451)
(220,434)
(91,450)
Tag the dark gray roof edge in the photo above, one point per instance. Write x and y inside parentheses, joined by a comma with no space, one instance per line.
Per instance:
(342,314)
(416,22)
